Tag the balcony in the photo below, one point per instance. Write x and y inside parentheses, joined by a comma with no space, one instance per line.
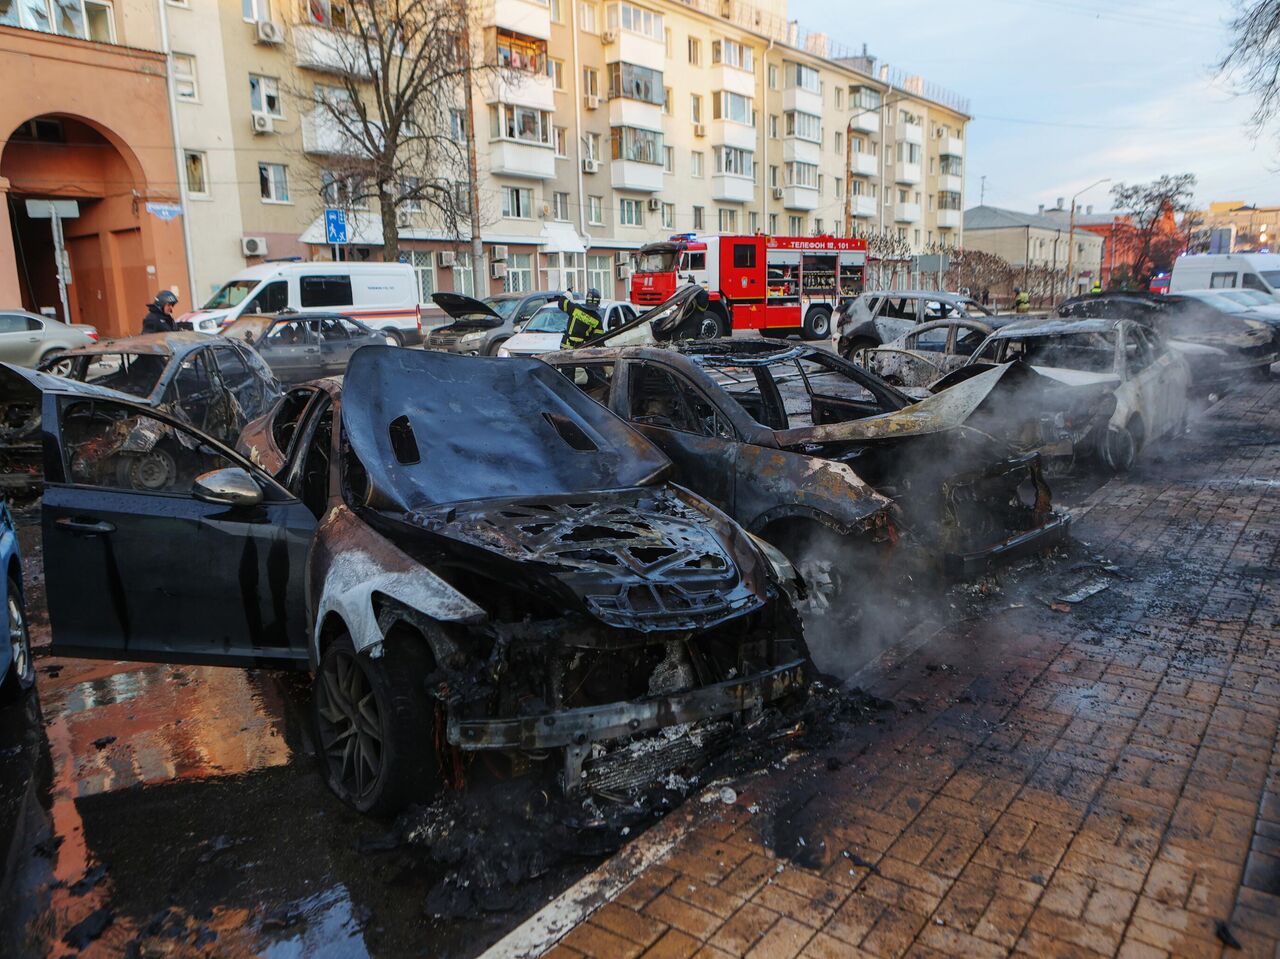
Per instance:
(913,133)
(523,89)
(862,206)
(624,112)
(328,51)
(806,101)
(866,121)
(323,135)
(529,17)
(951,146)
(727,133)
(731,188)
(732,79)
(800,197)
(803,151)
(528,161)
(949,183)
(864,164)
(906,212)
(633,48)
(949,219)
(904,172)
(634,175)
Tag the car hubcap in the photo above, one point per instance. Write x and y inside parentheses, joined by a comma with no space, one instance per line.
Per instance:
(20,645)
(153,471)
(350,725)
(708,329)
(822,325)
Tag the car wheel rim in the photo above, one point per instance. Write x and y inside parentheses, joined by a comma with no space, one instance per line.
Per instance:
(154,471)
(821,325)
(20,644)
(708,329)
(350,724)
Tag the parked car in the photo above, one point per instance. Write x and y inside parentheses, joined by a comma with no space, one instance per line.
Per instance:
(1218,346)
(305,346)
(215,384)
(1250,271)
(380,295)
(872,319)
(800,445)
(17,668)
(28,339)
(1113,387)
(480,327)
(543,333)
(927,352)
(508,572)
(1245,304)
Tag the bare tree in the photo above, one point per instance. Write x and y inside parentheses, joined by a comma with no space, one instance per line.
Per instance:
(1152,210)
(1254,58)
(393,123)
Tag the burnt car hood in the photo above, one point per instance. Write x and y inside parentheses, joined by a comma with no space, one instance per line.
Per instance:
(467,311)
(659,324)
(506,466)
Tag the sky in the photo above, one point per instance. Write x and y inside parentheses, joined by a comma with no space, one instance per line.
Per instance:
(1066,92)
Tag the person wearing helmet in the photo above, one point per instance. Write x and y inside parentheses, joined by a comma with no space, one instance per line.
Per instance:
(1021,300)
(159,318)
(584,319)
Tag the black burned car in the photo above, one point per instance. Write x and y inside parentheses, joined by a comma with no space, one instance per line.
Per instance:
(212,384)
(514,575)
(798,444)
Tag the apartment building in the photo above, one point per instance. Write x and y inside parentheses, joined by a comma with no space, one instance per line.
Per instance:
(1037,240)
(599,125)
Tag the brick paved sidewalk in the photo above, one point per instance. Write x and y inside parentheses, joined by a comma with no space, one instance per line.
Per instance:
(1099,782)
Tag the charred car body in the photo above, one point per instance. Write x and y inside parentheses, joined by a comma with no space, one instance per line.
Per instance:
(926,353)
(796,443)
(511,575)
(212,384)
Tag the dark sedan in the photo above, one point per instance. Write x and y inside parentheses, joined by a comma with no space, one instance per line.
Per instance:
(305,346)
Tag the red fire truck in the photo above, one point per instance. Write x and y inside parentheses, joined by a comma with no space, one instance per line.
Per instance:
(777,284)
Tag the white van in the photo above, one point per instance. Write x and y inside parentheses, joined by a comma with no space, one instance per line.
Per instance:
(381,295)
(1226,271)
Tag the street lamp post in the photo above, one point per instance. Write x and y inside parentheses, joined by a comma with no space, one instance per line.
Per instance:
(848,159)
(1071,235)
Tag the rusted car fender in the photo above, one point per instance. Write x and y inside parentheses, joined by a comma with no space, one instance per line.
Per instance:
(351,565)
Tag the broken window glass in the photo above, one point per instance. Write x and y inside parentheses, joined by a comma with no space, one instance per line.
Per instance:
(660,399)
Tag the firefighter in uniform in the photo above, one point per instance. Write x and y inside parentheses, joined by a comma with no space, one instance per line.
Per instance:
(1097,287)
(1021,301)
(584,319)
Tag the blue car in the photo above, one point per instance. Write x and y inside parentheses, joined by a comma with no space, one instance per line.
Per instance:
(16,665)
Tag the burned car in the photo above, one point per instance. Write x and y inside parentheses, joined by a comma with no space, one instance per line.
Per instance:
(799,444)
(926,353)
(513,576)
(213,384)
(881,316)
(1100,388)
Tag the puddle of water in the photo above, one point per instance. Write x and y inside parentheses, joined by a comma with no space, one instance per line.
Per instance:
(332,930)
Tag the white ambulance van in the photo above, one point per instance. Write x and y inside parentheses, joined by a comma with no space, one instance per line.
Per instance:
(381,295)
(1227,271)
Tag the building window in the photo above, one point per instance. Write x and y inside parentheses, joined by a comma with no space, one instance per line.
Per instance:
(256,11)
(264,96)
(519,275)
(595,210)
(669,159)
(457,125)
(668,216)
(695,51)
(99,21)
(732,106)
(697,218)
(773,125)
(557,11)
(273,182)
(590,82)
(666,42)
(599,273)
(837,145)
(424,268)
(804,126)
(631,82)
(562,141)
(343,192)
(197,184)
(802,174)
(695,163)
(517,202)
(560,206)
(695,108)
(864,99)
(728,221)
(593,146)
(948,200)
(839,98)
(623,16)
(464,275)
(773,76)
(184,76)
(518,52)
(954,166)
(733,54)
(630,212)
(753,218)
(773,175)
(410,194)
(633,143)
(588,17)
(557,74)
(773,224)
(328,13)
(803,77)
(734,161)
(507,122)
(795,226)
(817,226)
(666,101)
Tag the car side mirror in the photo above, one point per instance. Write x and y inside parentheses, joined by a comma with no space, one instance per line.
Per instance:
(227,487)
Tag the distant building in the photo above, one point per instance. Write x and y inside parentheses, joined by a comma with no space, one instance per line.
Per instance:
(1234,226)
(1036,240)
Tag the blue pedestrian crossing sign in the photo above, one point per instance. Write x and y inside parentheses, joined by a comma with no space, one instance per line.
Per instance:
(335,226)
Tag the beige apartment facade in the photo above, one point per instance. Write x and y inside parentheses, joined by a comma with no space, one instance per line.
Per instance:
(599,127)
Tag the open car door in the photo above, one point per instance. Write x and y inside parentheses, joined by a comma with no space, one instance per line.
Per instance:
(149,557)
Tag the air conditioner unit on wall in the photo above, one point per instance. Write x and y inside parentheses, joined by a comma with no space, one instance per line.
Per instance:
(497,270)
(592,101)
(654,204)
(253,245)
(699,129)
(590,166)
(499,252)
(622,257)
(623,271)
(402,218)
(263,123)
(270,32)
(445,259)
(777,193)
(609,36)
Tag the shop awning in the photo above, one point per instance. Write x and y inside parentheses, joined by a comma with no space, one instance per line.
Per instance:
(561,238)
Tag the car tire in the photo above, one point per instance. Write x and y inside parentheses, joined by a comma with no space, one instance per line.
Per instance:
(492,349)
(817,323)
(375,725)
(704,326)
(1118,449)
(393,334)
(21,675)
(859,343)
(62,369)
